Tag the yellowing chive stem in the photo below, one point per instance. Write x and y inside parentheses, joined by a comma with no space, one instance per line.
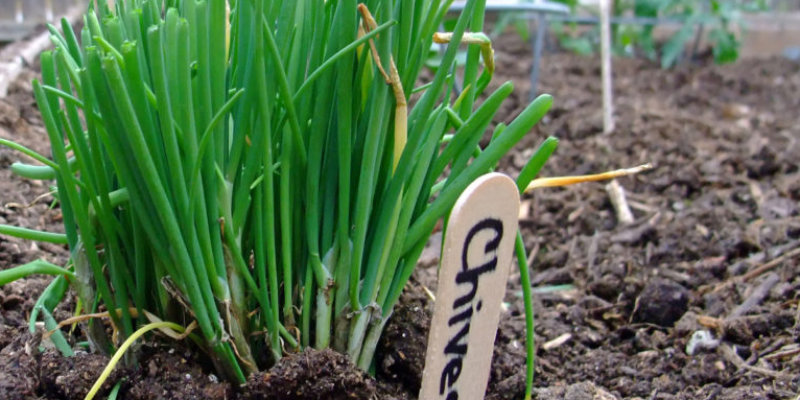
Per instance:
(571,180)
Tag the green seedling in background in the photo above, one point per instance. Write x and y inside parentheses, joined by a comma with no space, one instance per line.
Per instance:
(719,21)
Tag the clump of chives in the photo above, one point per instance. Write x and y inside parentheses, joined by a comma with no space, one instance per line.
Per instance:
(254,166)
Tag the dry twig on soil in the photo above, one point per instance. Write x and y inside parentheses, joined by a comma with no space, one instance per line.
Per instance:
(753,273)
(755,298)
(734,359)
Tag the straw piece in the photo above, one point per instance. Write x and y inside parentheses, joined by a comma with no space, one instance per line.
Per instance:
(571,180)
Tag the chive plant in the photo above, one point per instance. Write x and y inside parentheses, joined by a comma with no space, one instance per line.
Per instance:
(256,166)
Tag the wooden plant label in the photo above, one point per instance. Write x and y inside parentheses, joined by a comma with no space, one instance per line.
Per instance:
(476,256)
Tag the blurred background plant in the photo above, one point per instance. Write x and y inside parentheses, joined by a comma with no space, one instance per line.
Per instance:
(636,25)
(722,20)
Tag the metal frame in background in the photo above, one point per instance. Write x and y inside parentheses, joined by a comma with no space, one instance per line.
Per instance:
(538,11)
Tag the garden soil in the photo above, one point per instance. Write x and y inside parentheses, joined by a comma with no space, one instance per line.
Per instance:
(714,247)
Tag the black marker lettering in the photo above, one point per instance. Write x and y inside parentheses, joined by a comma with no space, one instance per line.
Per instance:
(466,314)
(458,344)
(454,345)
(450,375)
(471,275)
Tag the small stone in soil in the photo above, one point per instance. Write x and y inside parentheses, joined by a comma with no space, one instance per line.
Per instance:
(661,303)
(701,340)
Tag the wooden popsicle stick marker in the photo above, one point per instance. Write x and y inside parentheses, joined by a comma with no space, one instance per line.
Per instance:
(476,257)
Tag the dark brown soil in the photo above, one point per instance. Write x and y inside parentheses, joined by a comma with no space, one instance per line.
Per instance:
(311,375)
(714,247)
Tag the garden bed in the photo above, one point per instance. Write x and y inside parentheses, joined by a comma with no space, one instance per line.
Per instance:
(721,202)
